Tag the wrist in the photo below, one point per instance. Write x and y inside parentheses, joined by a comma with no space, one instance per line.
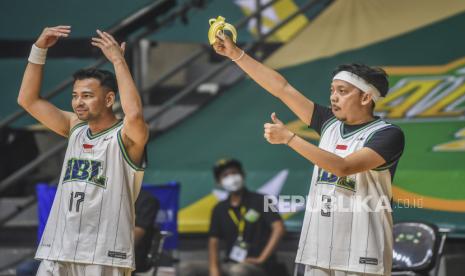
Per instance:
(37,55)
(236,55)
(118,61)
(291,137)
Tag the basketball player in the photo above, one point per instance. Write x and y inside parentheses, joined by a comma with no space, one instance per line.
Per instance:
(90,227)
(347,229)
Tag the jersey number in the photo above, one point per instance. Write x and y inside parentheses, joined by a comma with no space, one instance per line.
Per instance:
(74,195)
(326,206)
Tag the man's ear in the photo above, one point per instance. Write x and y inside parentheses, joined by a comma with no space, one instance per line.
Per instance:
(110,99)
(366,98)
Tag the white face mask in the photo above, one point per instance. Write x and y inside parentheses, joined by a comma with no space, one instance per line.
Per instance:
(232,183)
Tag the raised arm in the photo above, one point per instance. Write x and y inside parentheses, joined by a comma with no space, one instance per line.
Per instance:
(267,78)
(29,98)
(135,130)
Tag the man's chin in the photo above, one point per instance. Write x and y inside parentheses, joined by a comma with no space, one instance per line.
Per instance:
(339,117)
(83,118)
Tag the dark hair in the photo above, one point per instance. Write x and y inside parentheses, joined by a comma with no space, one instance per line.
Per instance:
(107,79)
(373,75)
(223,164)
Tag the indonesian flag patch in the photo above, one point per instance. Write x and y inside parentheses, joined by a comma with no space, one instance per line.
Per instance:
(87,148)
(341,147)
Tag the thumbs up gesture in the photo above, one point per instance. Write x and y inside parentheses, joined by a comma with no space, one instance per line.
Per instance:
(277,132)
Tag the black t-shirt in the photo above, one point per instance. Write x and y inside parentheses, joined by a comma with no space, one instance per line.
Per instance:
(146,210)
(387,142)
(256,233)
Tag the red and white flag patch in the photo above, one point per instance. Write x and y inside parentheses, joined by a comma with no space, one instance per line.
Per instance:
(341,147)
(87,148)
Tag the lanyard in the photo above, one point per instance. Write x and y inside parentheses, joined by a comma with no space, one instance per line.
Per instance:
(239,222)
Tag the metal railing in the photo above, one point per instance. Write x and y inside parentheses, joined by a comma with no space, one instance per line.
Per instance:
(10,180)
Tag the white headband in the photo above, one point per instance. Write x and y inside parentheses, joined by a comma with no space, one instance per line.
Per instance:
(360,83)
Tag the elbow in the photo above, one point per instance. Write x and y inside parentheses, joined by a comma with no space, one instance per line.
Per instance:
(134,116)
(22,102)
(343,170)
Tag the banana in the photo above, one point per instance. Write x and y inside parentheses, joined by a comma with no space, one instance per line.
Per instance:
(218,26)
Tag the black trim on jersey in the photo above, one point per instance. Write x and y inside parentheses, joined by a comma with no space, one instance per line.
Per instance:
(351,133)
(93,136)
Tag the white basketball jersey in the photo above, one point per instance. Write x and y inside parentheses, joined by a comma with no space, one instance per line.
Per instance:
(348,223)
(92,216)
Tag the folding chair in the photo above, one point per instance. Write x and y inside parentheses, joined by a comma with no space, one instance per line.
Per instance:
(417,248)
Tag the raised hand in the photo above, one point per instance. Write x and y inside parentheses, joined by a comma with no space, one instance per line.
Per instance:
(226,47)
(110,48)
(50,36)
(277,132)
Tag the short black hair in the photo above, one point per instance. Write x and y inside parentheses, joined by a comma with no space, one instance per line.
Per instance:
(223,164)
(373,75)
(107,79)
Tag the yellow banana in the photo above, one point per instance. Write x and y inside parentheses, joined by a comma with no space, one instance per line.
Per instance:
(218,25)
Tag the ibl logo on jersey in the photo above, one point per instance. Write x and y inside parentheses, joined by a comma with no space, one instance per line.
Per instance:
(85,170)
(345,182)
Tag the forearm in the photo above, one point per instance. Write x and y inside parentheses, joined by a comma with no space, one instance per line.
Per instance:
(323,159)
(276,235)
(213,257)
(129,95)
(30,85)
(266,77)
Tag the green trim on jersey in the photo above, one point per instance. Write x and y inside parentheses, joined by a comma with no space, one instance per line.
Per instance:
(78,125)
(90,136)
(125,154)
(345,136)
(327,124)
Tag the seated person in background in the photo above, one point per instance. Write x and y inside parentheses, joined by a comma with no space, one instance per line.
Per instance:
(250,233)
(147,207)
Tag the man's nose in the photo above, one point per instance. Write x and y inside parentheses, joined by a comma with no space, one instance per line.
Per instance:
(333,98)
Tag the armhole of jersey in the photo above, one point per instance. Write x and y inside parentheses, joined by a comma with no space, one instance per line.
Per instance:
(76,127)
(125,154)
(386,165)
(376,131)
(326,124)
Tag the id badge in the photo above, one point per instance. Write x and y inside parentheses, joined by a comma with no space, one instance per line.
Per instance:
(238,251)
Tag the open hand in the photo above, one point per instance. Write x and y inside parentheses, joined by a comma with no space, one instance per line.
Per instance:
(110,48)
(50,36)
(277,132)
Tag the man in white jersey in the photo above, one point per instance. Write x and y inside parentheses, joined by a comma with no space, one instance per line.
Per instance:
(347,229)
(90,229)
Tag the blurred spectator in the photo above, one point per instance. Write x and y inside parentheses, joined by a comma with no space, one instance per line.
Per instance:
(147,207)
(250,233)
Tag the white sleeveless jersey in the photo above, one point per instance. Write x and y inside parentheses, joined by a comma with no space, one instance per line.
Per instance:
(92,216)
(348,223)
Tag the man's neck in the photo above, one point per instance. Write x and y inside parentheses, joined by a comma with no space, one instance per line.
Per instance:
(102,123)
(358,120)
(236,198)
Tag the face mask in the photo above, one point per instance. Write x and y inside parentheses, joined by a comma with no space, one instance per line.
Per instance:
(232,183)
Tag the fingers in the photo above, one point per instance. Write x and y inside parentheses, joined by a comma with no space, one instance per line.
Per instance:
(58,31)
(123,47)
(220,37)
(98,42)
(275,119)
